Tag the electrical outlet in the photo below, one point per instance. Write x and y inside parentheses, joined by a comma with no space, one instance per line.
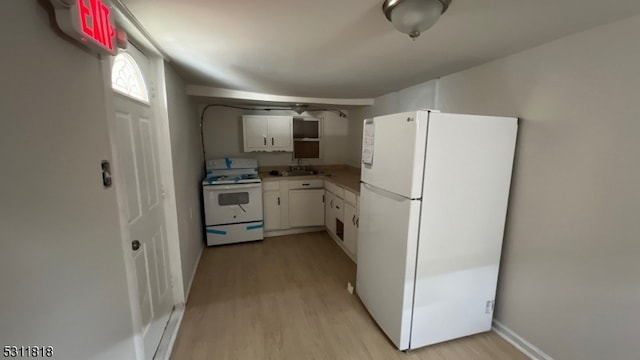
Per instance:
(489,307)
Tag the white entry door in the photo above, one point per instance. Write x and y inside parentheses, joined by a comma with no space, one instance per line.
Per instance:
(139,175)
(139,166)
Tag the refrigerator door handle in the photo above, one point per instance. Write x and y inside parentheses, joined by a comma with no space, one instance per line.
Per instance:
(385,193)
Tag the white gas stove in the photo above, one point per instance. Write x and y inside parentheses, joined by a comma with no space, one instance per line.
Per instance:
(232,192)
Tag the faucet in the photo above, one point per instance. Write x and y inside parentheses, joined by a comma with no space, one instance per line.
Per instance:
(299,167)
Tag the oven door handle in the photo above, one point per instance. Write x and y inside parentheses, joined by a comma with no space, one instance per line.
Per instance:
(231,187)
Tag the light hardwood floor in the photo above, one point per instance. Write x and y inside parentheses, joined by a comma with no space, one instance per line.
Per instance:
(286,298)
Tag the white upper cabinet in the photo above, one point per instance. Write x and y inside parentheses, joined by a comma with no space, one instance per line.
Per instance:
(255,133)
(267,133)
(280,133)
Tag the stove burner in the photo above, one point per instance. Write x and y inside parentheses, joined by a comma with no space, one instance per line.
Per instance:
(211,179)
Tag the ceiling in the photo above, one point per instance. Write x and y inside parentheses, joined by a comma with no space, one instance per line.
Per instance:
(347,48)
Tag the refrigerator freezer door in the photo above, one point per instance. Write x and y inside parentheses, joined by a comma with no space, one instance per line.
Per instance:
(398,153)
(387,244)
(466,189)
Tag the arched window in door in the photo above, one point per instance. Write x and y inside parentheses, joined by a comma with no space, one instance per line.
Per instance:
(127,79)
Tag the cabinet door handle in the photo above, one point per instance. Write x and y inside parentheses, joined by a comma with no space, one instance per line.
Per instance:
(265,141)
(358,222)
(353,220)
(272,142)
(278,200)
(331,203)
(322,198)
(305,184)
(337,207)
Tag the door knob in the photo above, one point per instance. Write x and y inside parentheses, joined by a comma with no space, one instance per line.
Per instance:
(135,245)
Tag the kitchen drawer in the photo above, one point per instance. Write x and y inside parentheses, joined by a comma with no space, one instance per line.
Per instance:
(350,198)
(337,190)
(270,185)
(338,205)
(306,184)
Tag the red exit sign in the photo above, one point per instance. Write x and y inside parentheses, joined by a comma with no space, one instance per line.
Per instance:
(96,23)
(90,21)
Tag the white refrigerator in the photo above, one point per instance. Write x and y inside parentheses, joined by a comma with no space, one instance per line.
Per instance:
(433,201)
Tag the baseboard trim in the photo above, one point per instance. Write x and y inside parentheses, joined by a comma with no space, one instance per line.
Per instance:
(293,231)
(519,342)
(175,319)
(170,334)
(193,275)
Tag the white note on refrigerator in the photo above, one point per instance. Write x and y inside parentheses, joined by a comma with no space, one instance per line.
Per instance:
(368,141)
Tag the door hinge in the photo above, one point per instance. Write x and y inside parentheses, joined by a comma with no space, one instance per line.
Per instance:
(152,91)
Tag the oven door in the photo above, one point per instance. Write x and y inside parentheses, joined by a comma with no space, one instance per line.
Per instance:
(233,203)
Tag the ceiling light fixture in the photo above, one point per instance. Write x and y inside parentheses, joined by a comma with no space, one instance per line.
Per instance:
(412,17)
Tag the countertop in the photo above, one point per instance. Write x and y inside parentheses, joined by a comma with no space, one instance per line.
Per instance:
(347,177)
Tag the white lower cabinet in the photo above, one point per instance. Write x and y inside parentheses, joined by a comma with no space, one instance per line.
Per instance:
(292,206)
(275,203)
(341,218)
(350,229)
(306,207)
(272,202)
(334,213)
(329,215)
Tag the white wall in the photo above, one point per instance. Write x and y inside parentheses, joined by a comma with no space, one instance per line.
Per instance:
(223,137)
(62,268)
(421,96)
(186,154)
(570,276)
